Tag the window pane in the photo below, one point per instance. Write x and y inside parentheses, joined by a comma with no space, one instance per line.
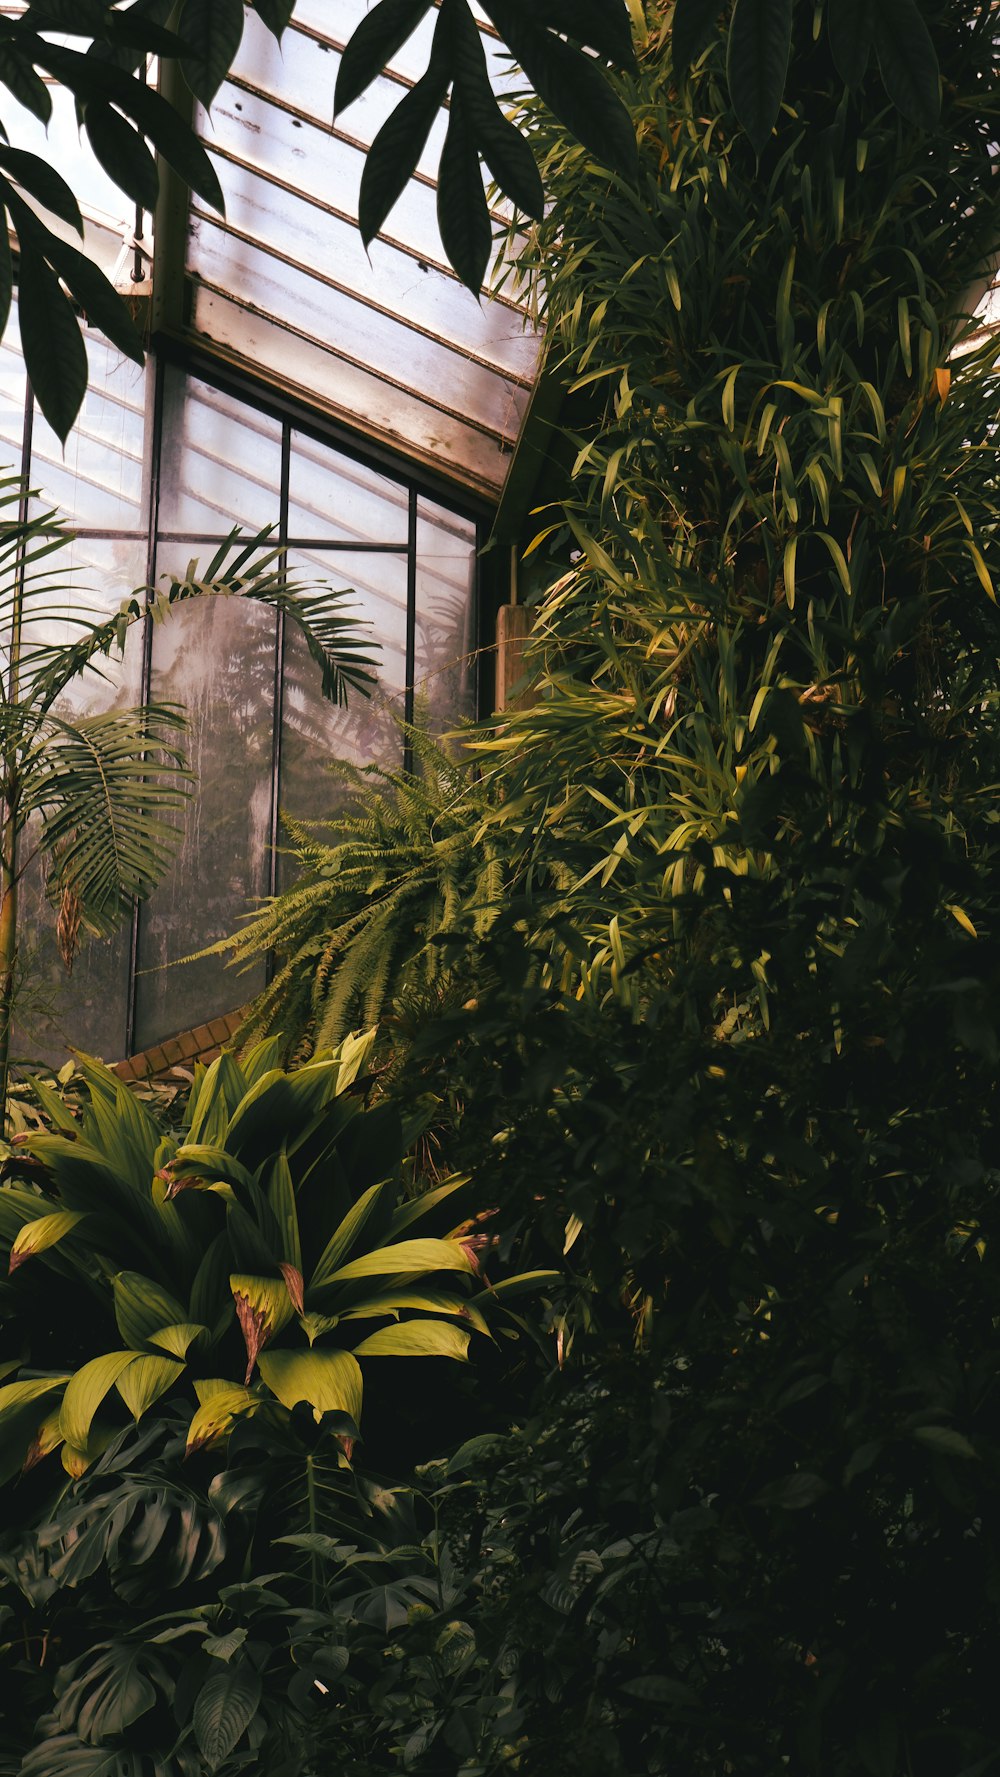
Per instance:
(444,657)
(220,461)
(98,481)
(334,499)
(315,731)
(217,658)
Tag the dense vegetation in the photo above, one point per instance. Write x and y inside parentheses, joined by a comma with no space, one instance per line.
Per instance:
(725,1056)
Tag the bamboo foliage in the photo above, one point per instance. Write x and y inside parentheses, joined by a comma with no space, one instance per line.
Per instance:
(781,610)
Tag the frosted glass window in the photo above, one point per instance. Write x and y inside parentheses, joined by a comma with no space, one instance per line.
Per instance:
(98,481)
(220,462)
(368,731)
(262,740)
(217,658)
(444,646)
(334,499)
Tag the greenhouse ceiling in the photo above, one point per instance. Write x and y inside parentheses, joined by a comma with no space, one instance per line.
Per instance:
(387,342)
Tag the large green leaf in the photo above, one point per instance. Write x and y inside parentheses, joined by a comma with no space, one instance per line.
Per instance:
(143,1307)
(42,181)
(223,1711)
(213,29)
(373,44)
(220,1405)
(38,1236)
(908,60)
(692,28)
(121,151)
(86,1390)
(330,1381)
(145,1381)
(415,1208)
(463,217)
(407,1256)
(851,24)
(572,84)
(109,1689)
(392,158)
(416,1338)
(54,353)
(759,44)
(15,1395)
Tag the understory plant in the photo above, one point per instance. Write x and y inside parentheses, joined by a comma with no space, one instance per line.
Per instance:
(251,1261)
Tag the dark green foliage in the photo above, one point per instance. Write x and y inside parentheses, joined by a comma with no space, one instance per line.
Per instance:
(382,913)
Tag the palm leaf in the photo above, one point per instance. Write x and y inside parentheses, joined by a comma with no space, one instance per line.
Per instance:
(106,787)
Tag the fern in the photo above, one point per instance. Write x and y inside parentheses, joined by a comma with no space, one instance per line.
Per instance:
(415,861)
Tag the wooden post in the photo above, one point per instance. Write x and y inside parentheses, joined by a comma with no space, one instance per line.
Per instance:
(513,629)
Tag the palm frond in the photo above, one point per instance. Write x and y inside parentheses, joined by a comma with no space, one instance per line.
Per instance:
(337,642)
(106,787)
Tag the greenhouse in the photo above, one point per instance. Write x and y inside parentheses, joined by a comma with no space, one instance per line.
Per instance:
(499,888)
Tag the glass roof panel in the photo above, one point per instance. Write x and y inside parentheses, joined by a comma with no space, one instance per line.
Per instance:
(387,340)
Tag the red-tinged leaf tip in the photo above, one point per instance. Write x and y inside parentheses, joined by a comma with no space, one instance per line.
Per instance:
(295,1285)
(256,1329)
(346,1443)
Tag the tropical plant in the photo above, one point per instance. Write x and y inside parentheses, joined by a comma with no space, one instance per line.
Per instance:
(252,1262)
(100,788)
(750,1520)
(383,911)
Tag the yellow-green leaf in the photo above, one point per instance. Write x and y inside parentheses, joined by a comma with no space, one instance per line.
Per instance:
(38,1236)
(330,1381)
(179,1338)
(216,1414)
(982,571)
(416,1338)
(86,1390)
(344,1237)
(413,1256)
(145,1381)
(963,919)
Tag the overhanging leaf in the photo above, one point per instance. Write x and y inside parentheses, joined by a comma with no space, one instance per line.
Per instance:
(372,46)
(760,40)
(692,28)
(416,1338)
(851,24)
(908,60)
(213,29)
